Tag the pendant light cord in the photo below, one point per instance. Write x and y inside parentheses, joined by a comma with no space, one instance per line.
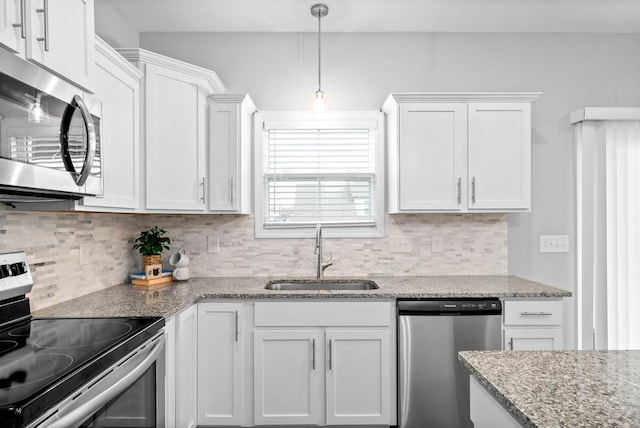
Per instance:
(319,56)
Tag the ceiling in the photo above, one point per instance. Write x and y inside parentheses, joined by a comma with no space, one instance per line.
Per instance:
(590,16)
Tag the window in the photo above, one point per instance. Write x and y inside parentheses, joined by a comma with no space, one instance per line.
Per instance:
(314,170)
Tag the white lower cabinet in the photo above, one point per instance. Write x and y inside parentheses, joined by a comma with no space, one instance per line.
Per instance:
(532,325)
(287,377)
(186,374)
(221,363)
(357,377)
(485,411)
(324,363)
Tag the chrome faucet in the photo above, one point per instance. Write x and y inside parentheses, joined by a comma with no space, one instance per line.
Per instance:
(322,265)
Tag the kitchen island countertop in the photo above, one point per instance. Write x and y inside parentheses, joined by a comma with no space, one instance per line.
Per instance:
(126,300)
(562,388)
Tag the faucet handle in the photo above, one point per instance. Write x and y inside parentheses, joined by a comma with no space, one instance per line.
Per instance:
(330,258)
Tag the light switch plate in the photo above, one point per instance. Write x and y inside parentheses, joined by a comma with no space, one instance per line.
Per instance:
(554,243)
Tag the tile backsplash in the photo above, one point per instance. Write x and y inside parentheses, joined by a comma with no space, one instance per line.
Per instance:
(72,254)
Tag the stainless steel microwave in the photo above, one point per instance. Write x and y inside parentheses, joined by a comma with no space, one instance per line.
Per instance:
(49,140)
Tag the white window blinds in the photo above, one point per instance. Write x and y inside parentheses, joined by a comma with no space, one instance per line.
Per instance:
(324,175)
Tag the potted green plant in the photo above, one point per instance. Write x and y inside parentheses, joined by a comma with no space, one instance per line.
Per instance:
(151,243)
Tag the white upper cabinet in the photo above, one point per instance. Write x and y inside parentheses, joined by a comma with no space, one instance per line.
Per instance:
(431,158)
(12,28)
(453,152)
(174,131)
(118,88)
(56,34)
(230,125)
(500,156)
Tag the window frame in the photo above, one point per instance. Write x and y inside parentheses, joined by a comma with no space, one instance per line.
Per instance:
(374,120)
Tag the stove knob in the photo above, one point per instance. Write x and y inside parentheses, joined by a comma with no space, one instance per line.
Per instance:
(17,268)
(22,268)
(4,271)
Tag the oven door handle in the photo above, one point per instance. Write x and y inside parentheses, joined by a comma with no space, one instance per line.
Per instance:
(78,415)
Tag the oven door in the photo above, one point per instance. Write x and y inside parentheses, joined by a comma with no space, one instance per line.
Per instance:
(128,394)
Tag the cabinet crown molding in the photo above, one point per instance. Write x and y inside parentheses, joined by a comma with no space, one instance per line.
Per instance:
(245,99)
(434,97)
(105,49)
(136,55)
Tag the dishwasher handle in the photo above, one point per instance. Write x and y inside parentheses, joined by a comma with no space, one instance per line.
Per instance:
(449,307)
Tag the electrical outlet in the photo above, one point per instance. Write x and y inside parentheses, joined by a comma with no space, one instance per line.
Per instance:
(554,243)
(436,244)
(400,244)
(213,244)
(84,255)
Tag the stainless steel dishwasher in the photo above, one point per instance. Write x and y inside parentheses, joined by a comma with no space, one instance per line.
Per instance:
(433,387)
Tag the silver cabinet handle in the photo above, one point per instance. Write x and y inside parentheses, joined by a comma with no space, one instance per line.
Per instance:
(459,188)
(23,29)
(203,190)
(45,39)
(232,186)
(236,324)
(511,344)
(313,354)
(330,354)
(473,190)
(529,314)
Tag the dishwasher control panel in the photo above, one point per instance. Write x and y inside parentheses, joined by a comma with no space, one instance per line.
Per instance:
(482,306)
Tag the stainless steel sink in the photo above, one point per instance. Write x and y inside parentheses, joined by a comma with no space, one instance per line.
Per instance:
(322,284)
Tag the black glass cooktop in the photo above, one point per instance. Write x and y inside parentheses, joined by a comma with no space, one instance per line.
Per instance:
(42,360)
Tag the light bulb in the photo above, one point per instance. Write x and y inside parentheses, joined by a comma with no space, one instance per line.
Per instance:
(319,103)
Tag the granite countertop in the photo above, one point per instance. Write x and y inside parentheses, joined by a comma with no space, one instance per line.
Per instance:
(125,300)
(562,388)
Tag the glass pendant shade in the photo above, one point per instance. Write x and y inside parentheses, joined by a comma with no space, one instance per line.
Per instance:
(319,102)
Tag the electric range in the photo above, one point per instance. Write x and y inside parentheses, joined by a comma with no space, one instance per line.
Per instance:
(45,361)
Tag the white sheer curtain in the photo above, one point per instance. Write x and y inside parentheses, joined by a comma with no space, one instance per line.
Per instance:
(608,228)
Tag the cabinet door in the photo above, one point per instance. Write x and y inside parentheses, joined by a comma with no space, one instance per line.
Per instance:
(432,156)
(118,87)
(12,25)
(287,377)
(499,156)
(220,363)
(358,377)
(60,37)
(175,130)
(535,339)
(186,368)
(224,156)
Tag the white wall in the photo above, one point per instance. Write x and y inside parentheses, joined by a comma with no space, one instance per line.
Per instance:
(361,69)
(114,27)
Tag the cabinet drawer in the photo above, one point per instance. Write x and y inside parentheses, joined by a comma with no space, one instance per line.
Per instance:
(303,314)
(532,312)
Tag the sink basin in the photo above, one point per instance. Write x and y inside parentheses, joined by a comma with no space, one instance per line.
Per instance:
(322,284)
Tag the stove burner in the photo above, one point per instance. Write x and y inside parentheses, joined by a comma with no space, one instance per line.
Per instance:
(7,345)
(22,331)
(88,333)
(22,371)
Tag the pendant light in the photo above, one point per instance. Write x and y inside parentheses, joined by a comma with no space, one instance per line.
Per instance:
(319,103)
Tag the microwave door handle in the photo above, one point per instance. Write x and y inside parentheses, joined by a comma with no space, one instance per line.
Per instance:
(79,177)
(84,410)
